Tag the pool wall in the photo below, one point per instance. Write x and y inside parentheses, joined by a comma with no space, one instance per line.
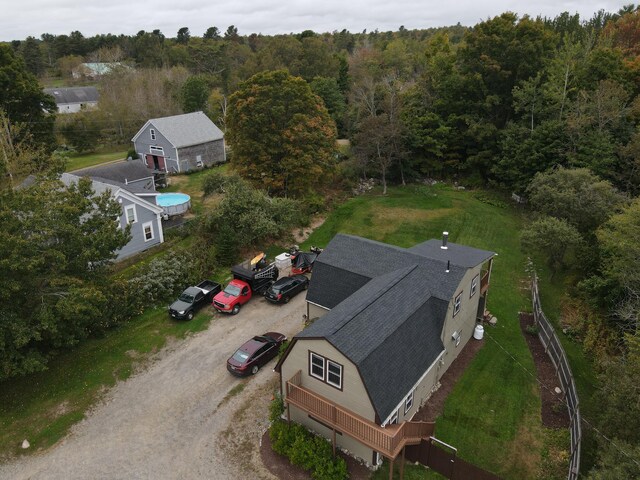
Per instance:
(174,203)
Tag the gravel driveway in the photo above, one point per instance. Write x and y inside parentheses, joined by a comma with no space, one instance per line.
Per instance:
(177,419)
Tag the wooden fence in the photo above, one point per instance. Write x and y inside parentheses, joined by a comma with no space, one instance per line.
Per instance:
(430,452)
(555,351)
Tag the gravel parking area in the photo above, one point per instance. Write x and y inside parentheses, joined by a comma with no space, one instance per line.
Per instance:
(183,416)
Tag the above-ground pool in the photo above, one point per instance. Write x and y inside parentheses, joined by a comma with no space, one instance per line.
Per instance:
(174,203)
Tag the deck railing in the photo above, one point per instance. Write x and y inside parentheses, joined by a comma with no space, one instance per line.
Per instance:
(387,441)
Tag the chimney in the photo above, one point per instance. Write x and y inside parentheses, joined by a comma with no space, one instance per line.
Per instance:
(448,265)
(445,236)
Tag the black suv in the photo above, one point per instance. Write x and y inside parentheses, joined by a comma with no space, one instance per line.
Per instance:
(285,288)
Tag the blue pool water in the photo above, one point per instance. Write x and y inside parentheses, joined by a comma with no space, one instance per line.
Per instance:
(172,199)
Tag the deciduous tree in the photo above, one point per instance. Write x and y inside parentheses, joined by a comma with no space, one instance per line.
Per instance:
(281,134)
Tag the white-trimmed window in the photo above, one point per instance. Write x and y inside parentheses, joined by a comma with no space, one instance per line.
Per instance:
(457,303)
(147,230)
(156,150)
(199,163)
(334,374)
(153,134)
(474,286)
(408,403)
(316,366)
(130,214)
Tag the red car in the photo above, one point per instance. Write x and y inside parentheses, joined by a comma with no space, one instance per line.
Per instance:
(255,353)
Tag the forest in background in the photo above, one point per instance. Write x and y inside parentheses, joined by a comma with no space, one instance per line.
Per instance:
(545,108)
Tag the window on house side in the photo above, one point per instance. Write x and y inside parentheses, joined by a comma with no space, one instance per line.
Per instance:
(334,374)
(474,285)
(147,228)
(130,213)
(316,366)
(457,304)
(408,403)
(199,161)
(153,134)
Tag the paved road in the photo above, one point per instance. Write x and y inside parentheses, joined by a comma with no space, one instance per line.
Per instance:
(177,418)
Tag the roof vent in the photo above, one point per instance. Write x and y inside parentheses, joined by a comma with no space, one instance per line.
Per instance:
(445,237)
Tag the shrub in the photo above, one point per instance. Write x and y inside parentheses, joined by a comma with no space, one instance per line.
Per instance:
(276,408)
(164,277)
(531,329)
(308,451)
(131,153)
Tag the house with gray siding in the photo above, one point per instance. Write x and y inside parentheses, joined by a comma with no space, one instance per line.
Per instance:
(138,210)
(385,324)
(180,143)
(74,99)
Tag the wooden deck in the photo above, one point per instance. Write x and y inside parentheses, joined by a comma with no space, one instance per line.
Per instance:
(389,441)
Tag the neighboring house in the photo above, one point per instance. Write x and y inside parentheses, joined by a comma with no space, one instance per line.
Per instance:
(387,322)
(95,69)
(74,99)
(180,143)
(138,209)
(131,172)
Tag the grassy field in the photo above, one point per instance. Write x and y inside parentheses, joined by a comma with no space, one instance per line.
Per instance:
(42,407)
(493,415)
(77,161)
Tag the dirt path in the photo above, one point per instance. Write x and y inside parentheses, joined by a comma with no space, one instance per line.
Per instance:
(179,418)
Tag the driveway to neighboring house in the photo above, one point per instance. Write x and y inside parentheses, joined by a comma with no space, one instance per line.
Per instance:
(180,417)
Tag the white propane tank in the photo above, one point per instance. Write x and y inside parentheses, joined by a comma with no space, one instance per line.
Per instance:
(478,332)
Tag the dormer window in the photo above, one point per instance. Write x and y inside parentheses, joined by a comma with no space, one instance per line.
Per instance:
(153,134)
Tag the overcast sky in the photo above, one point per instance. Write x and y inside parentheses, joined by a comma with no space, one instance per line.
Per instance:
(22,18)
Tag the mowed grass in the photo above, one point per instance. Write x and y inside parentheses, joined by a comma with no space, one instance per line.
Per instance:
(493,414)
(43,406)
(78,161)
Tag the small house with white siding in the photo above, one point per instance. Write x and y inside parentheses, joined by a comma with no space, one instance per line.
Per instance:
(74,99)
(386,324)
(180,143)
(138,210)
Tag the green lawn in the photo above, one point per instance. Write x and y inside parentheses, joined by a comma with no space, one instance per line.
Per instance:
(77,161)
(191,184)
(493,415)
(42,407)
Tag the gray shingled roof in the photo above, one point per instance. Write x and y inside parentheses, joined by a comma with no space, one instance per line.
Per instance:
(188,129)
(101,185)
(388,306)
(349,262)
(73,94)
(458,254)
(122,173)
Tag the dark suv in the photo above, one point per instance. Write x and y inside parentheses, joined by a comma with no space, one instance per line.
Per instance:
(287,287)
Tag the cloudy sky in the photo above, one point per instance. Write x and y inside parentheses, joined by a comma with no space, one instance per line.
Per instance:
(21,18)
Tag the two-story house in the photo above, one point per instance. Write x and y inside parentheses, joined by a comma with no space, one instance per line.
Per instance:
(139,210)
(387,322)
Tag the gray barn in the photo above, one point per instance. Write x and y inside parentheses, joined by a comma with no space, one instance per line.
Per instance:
(180,143)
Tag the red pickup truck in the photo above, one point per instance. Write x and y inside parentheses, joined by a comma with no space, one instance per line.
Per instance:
(248,279)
